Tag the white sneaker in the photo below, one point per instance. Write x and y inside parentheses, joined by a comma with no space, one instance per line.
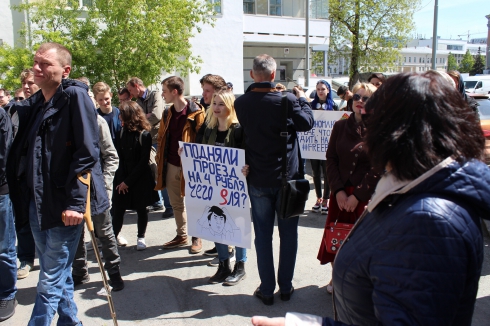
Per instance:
(141,245)
(215,261)
(121,241)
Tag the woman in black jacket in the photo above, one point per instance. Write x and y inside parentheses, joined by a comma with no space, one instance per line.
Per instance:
(415,256)
(134,184)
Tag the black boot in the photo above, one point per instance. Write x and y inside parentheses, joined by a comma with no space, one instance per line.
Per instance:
(237,275)
(224,270)
(116,281)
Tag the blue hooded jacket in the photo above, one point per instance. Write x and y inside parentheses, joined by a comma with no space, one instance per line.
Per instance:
(416,258)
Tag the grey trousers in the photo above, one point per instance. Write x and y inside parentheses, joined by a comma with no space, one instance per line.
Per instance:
(105,233)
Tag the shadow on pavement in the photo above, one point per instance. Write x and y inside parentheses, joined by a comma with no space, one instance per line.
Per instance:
(481,315)
(158,296)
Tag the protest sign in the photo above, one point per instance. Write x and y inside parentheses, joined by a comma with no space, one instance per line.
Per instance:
(216,194)
(314,143)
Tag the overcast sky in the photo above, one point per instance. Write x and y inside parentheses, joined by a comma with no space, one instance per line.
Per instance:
(455,17)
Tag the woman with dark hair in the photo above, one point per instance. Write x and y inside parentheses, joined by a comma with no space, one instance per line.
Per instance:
(377,79)
(133,180)
(349,172)
(323,101)
(416,254)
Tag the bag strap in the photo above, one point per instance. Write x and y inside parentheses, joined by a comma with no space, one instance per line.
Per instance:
(284,135)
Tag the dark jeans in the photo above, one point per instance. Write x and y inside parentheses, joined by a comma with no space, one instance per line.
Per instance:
(26,248)
(318,168)
(118,220)
(103,225)
(265,203)
(8,259)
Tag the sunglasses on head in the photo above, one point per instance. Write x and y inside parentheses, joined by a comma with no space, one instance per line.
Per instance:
(377,84)
(358,97)
(18,98)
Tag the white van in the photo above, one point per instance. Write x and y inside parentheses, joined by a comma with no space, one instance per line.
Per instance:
(477,84)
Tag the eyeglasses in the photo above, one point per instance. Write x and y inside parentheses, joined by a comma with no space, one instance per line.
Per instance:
(377,84)
(358,97)
(18,98)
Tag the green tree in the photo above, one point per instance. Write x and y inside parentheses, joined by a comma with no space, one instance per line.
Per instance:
(12,62)
(113,40)
(317,63)
(467,62)
(451,62)
(478,65)
(374,28)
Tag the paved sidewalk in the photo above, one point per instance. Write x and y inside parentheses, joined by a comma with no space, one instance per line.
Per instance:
(169,287)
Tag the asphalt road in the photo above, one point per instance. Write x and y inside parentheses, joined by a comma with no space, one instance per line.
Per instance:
(169,287)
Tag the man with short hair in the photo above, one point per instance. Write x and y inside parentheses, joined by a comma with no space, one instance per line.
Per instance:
(19,95)
(181,123)
(27,81)
(346,95)
(57,140)
(210,84)
(4,97)
(259,111)
(152,104)
(123,95)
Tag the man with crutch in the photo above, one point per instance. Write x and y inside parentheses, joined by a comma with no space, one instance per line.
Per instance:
(57,139)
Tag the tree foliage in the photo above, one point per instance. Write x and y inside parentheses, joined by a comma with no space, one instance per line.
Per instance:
(467,62)
(451,62)
(12,62)
(478,65)
(115,39)
(374,29)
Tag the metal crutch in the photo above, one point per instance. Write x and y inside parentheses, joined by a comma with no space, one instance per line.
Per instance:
(90,226)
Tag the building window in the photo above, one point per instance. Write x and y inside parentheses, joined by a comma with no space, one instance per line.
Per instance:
(216,5)
(319,9)
(410,59)
(405,59)
(87,3)
(455,47)
(420,59)
(275,7)
(249,6)
(414,59)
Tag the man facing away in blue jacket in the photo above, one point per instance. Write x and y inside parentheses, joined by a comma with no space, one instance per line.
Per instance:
(259,113)
(57,139)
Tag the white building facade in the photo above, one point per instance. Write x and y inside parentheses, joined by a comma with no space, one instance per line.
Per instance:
(242,30)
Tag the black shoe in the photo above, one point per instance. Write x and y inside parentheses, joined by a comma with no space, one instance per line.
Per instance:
(268,301)
(224,270)
(168,213)
(211,252)
(116,281)
(78,280)
(153,208)
(287,296)
(7,308)
(237,275)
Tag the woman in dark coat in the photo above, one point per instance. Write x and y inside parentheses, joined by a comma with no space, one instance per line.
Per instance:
(416,254)
(134,184)
(351,179)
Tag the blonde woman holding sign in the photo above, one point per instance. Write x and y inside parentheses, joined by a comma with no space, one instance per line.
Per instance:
(223,129)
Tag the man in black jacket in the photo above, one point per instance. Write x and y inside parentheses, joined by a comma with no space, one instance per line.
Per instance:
(259,113)
(8,256)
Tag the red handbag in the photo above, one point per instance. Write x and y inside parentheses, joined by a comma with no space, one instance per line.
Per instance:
(336,234)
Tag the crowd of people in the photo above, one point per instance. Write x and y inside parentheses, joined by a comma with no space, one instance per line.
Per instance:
(404,169)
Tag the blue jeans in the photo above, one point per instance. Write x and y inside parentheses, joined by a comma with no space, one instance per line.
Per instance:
(163,194)
(265,203)
(56,249)
(8,255)
(26,249)
(223,254)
